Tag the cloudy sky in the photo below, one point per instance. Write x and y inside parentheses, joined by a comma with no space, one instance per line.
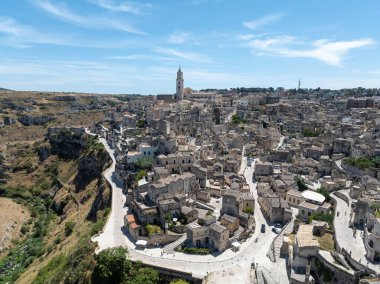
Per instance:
(115,46)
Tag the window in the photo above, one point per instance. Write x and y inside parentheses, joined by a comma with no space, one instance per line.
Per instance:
(189,161)
(166,162)
(183,161)
(308,213)
(371,243)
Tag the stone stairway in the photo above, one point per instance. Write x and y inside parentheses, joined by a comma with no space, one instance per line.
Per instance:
(275,247)
(170,247)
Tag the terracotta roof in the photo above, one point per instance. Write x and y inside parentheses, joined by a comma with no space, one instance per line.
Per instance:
(131,218)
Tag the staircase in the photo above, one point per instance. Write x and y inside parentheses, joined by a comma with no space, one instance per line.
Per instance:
(275,247)
(170,247)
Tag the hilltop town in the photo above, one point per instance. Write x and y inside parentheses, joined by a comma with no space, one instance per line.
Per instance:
(251,185)
(285,182)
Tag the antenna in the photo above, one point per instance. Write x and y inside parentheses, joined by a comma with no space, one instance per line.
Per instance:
(299,83)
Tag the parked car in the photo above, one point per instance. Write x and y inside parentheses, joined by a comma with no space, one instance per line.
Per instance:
(262,228)
(275,230)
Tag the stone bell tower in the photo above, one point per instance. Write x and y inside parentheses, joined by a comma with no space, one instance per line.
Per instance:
(179,85)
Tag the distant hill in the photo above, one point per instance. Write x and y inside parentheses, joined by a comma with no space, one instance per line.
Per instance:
(2,89)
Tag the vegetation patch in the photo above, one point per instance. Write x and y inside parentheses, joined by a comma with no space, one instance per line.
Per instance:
(153,229)
(318,216)
(363,162)
(301,184)
(201,251)
(237,119)
(325,193)
(310,133)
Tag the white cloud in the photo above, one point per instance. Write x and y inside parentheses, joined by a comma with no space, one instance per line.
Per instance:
(190,56)
(10,26)
(330,52)
(179,37)
(61,12)
(263,21)
(128,7)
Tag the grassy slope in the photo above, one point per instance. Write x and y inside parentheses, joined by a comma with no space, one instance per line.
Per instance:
(31,177)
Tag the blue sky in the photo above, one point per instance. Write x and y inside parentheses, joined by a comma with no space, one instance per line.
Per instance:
(115,46)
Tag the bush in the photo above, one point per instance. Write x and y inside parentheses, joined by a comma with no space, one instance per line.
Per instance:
(201,251)
(69,227)
(310,133)
(362,162)
(248,210)
(97,227)
(152,229)
(318,216)
(301,184)
(325,193)
(237,120)
(145,163)
(141,174)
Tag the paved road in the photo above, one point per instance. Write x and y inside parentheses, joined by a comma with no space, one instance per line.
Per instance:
(345,235)
(198,265)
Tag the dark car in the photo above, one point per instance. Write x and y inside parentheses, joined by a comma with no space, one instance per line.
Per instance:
(262,228)
(278,225)
(275,230)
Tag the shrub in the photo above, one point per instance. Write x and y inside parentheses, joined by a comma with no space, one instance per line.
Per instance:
(361,162)
(248,210)
(310,133)
(201,251)
(152,229)
(145,163)
(69,227)
(301,184)
(318,216)
(325,193)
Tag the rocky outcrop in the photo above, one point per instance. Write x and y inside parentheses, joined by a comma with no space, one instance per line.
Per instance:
(28,120)
(90,166)
(64,98)
(9,120)
(44,152)
(66,142)
(102,199)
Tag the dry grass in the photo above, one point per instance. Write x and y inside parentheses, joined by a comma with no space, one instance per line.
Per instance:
(13,216)
(326,242)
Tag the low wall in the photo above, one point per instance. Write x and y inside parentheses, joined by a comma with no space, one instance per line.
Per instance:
(342,196)
(160,239)
(342,275)
(174,274)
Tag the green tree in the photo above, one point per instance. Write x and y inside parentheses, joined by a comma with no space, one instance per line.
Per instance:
(140,175)
(111,266)
(325,193)
(145,275)
(301,184)
(145,163)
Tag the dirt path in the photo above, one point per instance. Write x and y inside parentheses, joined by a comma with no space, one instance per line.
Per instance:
(13,215)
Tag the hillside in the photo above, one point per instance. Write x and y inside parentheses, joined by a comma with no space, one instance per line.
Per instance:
(55,175)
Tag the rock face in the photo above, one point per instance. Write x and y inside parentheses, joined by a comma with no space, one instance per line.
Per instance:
(91,166)
(8,120)
(66,142)
(102,200)
(64,98)
(28,120)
